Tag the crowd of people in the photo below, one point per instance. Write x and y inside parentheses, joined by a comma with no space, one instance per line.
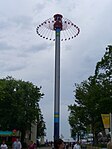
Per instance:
(16,144)
(58,144)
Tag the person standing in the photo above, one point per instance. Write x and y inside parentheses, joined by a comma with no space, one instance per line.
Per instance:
(59,144)
(17,144)
(3,145)
(31,145)
(77,145)
(109,145)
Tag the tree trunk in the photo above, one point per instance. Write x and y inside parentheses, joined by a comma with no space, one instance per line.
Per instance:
(22,136)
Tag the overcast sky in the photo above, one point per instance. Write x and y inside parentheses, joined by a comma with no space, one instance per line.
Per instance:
(24,55)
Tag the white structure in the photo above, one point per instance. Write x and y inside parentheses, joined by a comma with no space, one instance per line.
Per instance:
(34,132)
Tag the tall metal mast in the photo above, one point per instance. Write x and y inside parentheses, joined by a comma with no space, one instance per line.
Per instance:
(57,27)
(68,31)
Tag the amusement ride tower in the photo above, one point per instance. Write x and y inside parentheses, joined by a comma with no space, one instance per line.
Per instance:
(68,31)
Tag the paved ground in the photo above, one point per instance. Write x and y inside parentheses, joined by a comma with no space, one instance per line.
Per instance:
(45,147)
(70,148)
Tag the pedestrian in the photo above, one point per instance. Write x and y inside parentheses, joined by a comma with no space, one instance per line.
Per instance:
(59,144)
(31,145)
(3,145)
(17,144)
(109,145)
(67,145)
(77,145)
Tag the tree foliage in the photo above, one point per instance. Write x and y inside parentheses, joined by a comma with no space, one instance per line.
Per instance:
(19,105)
(93,97)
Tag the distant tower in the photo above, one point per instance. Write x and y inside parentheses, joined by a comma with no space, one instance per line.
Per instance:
(68,31)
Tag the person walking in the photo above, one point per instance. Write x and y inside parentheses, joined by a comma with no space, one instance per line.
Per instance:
(3,145)
(109,145)
(59,144)
(17,144)
(77,145)
(32,145)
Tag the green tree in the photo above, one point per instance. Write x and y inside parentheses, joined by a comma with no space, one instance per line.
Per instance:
(41,125)
(103,76)
(85,110)
(19,105)
(93,97)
